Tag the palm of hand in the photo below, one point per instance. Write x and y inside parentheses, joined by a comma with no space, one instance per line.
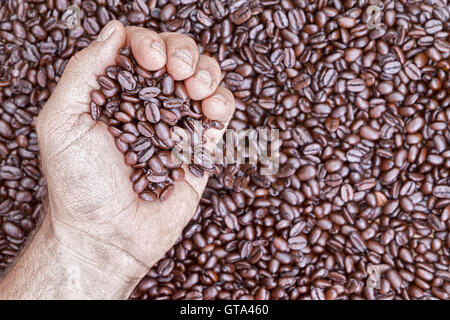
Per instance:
(96,196)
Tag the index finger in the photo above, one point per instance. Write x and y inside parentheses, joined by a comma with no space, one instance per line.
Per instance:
(148,48)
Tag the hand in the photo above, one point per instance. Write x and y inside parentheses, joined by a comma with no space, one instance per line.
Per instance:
(94,214)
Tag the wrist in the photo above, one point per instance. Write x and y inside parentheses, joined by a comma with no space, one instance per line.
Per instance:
(63,263)
(92,268)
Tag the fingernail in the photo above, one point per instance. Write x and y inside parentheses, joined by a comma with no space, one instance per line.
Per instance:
(221,111)
(219,97)
(158,47)
(107,32)
(204,76)
(184,56)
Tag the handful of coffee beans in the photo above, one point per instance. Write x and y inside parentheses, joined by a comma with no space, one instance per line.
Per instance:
(142,109)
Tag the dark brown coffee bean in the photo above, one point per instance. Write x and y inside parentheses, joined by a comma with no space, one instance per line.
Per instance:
(306,173)
(5,130)
(177,174)
(347,193)
(126,80)
(131,158)
(394,279)
(145,129)
(241,15)
(166,192)
(124,63)
(369,133)
(10,173)
(148,196)
(12,230)
(196,170)
(156,166)
(355,85)
(329,78)
(98,97)
(162,131)
(149,92)
(442,191)
(296,19)
(173,103)
(415,125)
(392,67)
(433,26)
(152,113)
(280,18)
(412,71)
(145,154)
(169,117)
(167,85)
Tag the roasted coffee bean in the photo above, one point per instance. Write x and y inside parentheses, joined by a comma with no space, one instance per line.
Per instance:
(442,191)
(126,80)
(12,230)
(177,174)
(196,170)
(167,85)
(412,71)
(5,130)
(173,103)
(157,178)
(241,15)
(141,144)
(145,129)
(131,158)
(162,131)
(392,67)
(169,117)
(433,26)
(152,113)
(10,173)
(166,192)
(149,92)
(145,154)
(148,196)
(355,85)
(124,63)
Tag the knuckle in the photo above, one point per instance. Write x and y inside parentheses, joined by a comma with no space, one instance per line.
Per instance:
(209,61)
(74,61)
(228,96)
(152,33)
(191,42)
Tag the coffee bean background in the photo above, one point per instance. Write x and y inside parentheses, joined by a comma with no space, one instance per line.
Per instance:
(364,120)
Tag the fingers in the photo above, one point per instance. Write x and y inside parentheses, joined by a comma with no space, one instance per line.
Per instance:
(220,106)
(205,79)
(182,55)
(148,48)
(178,52)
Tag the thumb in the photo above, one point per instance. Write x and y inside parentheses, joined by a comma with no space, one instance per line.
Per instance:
(71,95)
(64,119)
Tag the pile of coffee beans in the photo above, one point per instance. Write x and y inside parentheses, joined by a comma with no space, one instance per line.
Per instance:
(141,109)
(360,208)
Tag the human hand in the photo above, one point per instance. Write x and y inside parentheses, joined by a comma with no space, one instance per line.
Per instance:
(92,205)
